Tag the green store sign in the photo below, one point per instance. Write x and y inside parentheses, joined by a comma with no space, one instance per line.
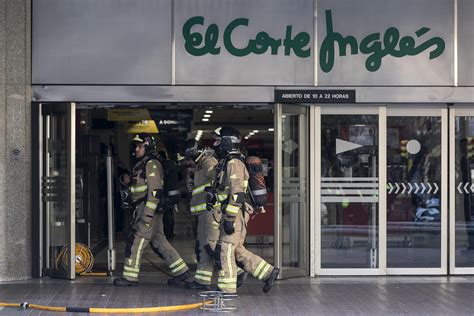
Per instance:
(198,45)
(374,45)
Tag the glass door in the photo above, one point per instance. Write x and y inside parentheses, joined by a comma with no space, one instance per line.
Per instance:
(57,190)
(461,190)
(291,220)
(416,206)
(349,147)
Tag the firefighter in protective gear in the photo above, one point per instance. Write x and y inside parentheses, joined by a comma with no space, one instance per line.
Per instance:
(208,216)
(208,219)
(231,189)
(146,186)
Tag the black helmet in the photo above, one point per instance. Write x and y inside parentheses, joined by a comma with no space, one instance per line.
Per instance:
(192,149)
(148,140)
(229,140)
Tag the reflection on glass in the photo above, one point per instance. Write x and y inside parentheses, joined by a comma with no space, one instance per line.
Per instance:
(55,195)
(464,164)
(349,196)
(293,192)
(413,192)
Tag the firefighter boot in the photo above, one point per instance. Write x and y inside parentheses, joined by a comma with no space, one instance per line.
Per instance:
(124,282)
(196,286)
(271,280)
(241,278)
(179,278)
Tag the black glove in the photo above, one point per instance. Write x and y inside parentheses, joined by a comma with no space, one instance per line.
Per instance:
(229,227)
(164,205)
(210,198)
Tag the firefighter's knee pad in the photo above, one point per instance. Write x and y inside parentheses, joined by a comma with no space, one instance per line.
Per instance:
(217,256)
(197,251)
(155,250)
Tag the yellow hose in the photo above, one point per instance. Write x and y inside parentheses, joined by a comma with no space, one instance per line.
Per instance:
(174,308)
(137,310)
(84,260)
(102,274)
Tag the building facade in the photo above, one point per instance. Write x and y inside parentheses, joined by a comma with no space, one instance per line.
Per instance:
(372,103)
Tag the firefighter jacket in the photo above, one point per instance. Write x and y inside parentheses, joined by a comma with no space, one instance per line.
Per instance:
(232,188)
(203,175)
(146,186)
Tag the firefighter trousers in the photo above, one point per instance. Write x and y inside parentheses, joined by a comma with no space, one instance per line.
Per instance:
(153,235)
(207,237)
(230,249)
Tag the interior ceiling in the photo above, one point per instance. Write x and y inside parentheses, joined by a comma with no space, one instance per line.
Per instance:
(244,120)
(244,117)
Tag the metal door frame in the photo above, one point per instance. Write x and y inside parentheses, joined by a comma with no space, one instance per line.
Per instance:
(71,158)
(441,111)
(457,110)
(304,112)
(380,111)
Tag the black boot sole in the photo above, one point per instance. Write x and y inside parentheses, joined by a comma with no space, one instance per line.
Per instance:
(196,286)
(241,279)
(271,280)
(124,283)
(179,278)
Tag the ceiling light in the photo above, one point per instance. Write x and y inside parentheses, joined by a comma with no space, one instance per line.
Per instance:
(209,111)
(207,115)
(246,137)
(205,120)
(255,130)
(271,129)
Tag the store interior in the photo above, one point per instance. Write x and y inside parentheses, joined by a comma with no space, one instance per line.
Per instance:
(107,130)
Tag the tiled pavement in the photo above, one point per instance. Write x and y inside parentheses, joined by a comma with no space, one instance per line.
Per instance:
(304,296)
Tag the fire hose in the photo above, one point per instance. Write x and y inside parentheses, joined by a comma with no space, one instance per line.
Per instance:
(155,309)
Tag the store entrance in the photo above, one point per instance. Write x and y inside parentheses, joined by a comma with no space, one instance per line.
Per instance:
(349,180)
(101,137)
(382,176)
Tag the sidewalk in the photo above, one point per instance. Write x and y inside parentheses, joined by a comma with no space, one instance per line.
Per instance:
(304,296)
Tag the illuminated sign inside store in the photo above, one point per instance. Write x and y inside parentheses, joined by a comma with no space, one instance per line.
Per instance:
(203,41)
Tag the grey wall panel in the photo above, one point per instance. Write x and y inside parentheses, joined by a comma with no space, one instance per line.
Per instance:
(365,17)
(270,16)
(465,42)
(102,41)
(236,94)
(196,94)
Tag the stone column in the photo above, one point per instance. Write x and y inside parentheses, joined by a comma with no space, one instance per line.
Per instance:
(15,134)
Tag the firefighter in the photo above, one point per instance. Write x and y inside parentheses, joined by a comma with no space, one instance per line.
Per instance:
(231,183)
(208,221)
(146,187)
(209,216)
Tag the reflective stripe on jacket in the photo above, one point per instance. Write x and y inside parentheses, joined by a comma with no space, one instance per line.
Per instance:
(203,176)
